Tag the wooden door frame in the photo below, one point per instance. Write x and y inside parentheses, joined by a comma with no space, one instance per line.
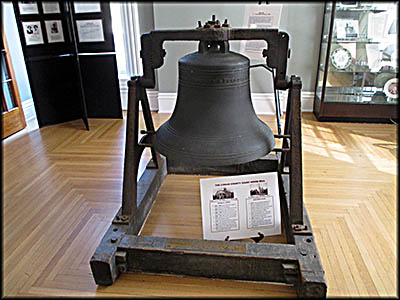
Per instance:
(12,120)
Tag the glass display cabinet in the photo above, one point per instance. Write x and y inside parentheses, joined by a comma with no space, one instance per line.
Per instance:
(358,63)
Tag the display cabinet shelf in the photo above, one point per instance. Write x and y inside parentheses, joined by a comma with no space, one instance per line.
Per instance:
(357,75)
(355,69)
(359,40)
(360,10)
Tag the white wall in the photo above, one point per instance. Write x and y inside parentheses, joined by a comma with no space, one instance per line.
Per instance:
(302,21)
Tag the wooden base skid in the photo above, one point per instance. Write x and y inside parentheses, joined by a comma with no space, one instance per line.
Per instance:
(122,250)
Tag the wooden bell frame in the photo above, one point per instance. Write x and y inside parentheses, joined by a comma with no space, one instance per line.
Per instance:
(123,250)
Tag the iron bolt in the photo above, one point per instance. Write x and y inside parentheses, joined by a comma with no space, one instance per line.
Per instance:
(303,251)
(299,227)
(122,268)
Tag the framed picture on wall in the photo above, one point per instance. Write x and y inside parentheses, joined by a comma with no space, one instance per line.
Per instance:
(81,7)
(54,31)
(50,7)
(28,7)
(33,33)
(90,30)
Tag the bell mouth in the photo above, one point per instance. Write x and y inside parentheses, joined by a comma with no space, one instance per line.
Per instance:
(214,151)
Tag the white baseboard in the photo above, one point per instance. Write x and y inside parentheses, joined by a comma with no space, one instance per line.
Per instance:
(29,109)
(151,95)
(264,103)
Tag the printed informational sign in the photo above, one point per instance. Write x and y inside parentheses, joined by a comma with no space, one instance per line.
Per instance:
(90,30)
(238,207)
(28,7)
(374,57)
(51,7)
(378,25)
(81,7)
(54,31)
(259,16)
(33,33)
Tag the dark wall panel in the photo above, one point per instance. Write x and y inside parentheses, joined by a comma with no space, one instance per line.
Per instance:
(55,89)
(70,79)
(104,101)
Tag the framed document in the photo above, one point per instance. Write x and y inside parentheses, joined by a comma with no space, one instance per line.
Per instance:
(374,57)
(54,31)
(90,30)
(377,25)
(28,7)
(51,7)
(81,7)
(259,16)
(33,33)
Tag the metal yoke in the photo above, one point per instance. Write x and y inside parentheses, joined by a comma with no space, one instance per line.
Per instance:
(123,250)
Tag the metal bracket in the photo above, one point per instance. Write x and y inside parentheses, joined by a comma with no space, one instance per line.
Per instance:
(121,261)
(120,218)
(301,229)
(291,272)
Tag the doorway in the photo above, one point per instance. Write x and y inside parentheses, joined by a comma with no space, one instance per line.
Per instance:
(13,119)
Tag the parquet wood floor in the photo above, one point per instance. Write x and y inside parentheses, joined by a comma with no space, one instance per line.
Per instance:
(62,187)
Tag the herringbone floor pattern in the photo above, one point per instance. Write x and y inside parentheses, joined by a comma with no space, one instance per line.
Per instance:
(62,187)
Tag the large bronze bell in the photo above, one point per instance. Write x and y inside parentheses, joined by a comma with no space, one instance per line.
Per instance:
(214,122)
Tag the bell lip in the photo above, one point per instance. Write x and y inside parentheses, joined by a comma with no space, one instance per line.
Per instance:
(208,160)
(217,161)
(167,127)
(168,148)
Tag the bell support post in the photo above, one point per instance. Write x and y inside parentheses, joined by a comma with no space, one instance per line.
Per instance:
(137,196)
(292,159)
(122,249)
(296,175)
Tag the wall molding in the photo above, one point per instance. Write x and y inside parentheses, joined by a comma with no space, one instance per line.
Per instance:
(151,95)
(29,109)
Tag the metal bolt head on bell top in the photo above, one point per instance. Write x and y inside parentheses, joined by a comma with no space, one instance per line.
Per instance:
(214,122)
